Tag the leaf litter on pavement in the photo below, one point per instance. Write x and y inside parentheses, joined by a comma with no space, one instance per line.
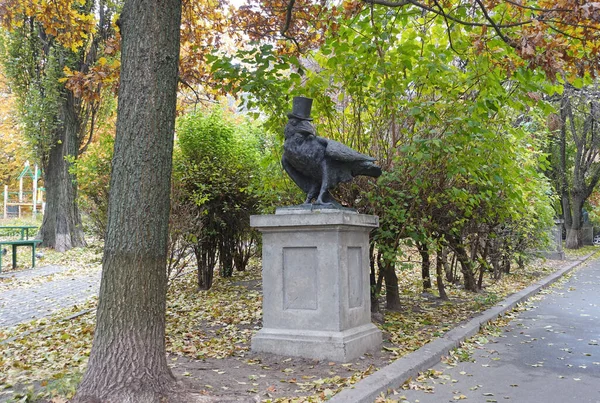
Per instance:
(208,338)
(426,381)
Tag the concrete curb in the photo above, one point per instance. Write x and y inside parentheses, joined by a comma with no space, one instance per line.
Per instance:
(395,374)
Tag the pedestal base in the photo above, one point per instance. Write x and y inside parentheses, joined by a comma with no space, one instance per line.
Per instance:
(319,345)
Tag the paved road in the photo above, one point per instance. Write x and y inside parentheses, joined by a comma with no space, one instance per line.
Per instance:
(550,353)
(18,305)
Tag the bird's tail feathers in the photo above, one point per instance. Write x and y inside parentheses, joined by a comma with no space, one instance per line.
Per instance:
(367,168)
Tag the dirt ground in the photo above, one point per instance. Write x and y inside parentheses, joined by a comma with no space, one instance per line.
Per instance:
(267,376)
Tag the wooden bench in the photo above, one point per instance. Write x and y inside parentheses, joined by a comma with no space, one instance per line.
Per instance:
(21,242)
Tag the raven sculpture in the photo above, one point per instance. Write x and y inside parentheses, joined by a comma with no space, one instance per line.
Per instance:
(317,164)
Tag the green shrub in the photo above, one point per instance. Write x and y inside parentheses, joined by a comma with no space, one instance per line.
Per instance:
(217,172)
(93,177)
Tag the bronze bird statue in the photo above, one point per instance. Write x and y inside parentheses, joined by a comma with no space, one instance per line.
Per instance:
(317,164)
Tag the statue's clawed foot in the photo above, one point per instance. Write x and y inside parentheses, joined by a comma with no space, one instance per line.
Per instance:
(331,203)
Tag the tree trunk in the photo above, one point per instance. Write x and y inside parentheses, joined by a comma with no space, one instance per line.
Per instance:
(574,240)
(448,267)
(439,271)
(128,360)
(206,259)
(484,265)
(566,207)
(61,228)
(392,292)
(466,268)
(425,266)
(226,248)
(374,292)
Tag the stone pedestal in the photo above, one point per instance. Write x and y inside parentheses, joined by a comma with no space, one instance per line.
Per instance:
(587,234)
(316,301)
(555,250)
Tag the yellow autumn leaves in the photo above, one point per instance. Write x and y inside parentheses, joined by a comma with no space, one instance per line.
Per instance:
(65,20)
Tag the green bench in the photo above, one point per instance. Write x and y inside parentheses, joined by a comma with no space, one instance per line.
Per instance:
(23,229)
(21,242)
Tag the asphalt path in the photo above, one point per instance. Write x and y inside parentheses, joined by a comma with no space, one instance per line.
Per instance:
(548,353)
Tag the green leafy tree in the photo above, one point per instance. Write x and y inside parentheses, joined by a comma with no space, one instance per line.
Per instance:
(441,125)
(574,148)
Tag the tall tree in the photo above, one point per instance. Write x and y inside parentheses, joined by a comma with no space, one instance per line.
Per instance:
(45,41)
(574,152)
(128,360)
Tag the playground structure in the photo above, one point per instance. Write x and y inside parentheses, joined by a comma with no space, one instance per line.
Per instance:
(14,202)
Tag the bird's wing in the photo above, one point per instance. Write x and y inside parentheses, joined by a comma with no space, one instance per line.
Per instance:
(341,152)
(304,182)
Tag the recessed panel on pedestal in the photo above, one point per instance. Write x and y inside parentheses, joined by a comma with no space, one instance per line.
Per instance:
(300,278)
(355,277)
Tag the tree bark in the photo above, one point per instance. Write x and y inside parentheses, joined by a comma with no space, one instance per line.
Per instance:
(574,240)
(206,259)
(374,292)
(439,271)
(466,268)
(128,360)
(392,292)
(61,228)
(425,266)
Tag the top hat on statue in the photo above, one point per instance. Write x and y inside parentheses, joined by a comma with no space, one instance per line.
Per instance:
(301,107)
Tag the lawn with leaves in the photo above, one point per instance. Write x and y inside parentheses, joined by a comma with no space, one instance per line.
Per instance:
(209,332)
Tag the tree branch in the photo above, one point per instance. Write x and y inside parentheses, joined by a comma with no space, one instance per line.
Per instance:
(506,39)
(447,27)
(182,81)
(389,3)
(288,23)
(543,10)
(288,17)
(445,14)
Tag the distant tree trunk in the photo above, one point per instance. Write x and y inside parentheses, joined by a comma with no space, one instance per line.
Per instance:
(439,271)
(466,268)
(61,228)
(425,266)
(128,359)
(506,265)
(448,266)
(245,248)
(373,280)
(206,258)
(392,292)
(484,265)
(226,252)
(574,240)
(566,207)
